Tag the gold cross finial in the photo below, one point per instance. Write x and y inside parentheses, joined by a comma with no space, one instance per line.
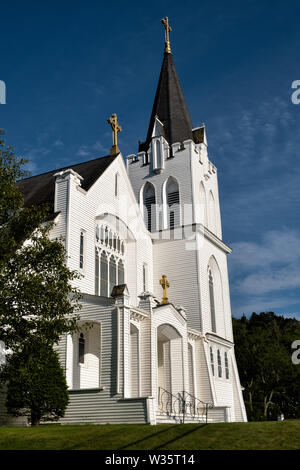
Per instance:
(164,284)
(165,22)
(115,129)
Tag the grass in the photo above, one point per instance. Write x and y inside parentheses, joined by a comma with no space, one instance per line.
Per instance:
(219,436)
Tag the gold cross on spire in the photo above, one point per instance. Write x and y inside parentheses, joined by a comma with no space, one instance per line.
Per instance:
(164,284)
(115,129)
(165,22)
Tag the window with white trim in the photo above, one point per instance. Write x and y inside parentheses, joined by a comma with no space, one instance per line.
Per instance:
(212,362)
(226,365)
(109,260)
(219,363)
(81,250)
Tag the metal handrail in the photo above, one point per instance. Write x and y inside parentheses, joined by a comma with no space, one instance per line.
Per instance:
(196,406)
(183,404)
(169,403)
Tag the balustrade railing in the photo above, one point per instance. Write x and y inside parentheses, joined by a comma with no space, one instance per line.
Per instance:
(183,405)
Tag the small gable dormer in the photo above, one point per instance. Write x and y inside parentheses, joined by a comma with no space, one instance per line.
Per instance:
(159,148)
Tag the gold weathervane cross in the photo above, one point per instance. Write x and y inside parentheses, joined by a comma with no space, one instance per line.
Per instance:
(164,284)
(113,121)
(165,22)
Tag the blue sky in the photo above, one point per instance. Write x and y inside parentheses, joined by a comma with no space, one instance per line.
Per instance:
(69,65)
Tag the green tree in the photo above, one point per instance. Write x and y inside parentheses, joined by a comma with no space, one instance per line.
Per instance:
(38,303)
(263,353)
(16,221)
(36,384)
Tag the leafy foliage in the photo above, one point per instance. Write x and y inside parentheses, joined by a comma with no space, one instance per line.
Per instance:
(263,353)
(38,302)
(36,384)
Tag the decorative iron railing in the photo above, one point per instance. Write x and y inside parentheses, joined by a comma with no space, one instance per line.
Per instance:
(168,403)
(192,406)
(183,405)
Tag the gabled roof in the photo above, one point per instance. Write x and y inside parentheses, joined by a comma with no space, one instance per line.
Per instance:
(170,107)
(40,189)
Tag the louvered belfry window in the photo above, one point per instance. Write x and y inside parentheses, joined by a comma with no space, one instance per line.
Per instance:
(172,193)
(149,206)
(173,200)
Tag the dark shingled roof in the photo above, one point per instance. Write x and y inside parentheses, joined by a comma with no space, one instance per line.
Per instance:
(40,189)
(170,107)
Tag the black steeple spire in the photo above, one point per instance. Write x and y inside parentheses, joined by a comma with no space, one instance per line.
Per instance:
(170,107)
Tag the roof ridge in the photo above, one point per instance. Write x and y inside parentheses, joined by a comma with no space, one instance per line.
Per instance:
(66,167)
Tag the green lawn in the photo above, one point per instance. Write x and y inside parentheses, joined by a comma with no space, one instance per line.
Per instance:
(269,435)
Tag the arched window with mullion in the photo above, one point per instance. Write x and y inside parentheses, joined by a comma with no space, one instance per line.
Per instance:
(149,202)
(212,302)
(112,274)
(173,202)
(104,275)
(120,272)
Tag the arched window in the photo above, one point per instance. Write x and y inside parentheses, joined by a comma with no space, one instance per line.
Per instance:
(149,206)
(110,242)
(134,361)
(145,277)
(81,250)
(226,366)
(112,274)
(172,193)
(97,268)
(219,364)
(212,362)
(109,260)
(81,348)
(106,236)
(103,275)
(158,154)
(191,370)
(117,184)
(212,301)
(121,272)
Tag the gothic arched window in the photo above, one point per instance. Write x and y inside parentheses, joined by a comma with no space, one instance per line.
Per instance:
(97,268)
(212,301)
(158,154)
(172,193)
(212,362)
(226,365)
(112,274)
(81,348)
(219,364)
(109,260)
(121,272)
(104,275)
(149,206)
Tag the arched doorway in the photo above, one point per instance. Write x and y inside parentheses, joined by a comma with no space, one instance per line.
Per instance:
(169,367)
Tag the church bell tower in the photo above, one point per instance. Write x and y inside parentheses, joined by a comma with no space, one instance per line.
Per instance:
(177,190)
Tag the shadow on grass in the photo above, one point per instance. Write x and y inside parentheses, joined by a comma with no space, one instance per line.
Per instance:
(149,436)
(181,436)
(103,434)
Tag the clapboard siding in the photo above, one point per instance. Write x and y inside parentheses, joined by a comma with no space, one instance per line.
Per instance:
(104,405)
(180,266)
(82,211)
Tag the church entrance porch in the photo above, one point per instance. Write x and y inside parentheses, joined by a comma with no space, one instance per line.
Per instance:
(169,369)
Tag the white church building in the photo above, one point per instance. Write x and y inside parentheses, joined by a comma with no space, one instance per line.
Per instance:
(144,230)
